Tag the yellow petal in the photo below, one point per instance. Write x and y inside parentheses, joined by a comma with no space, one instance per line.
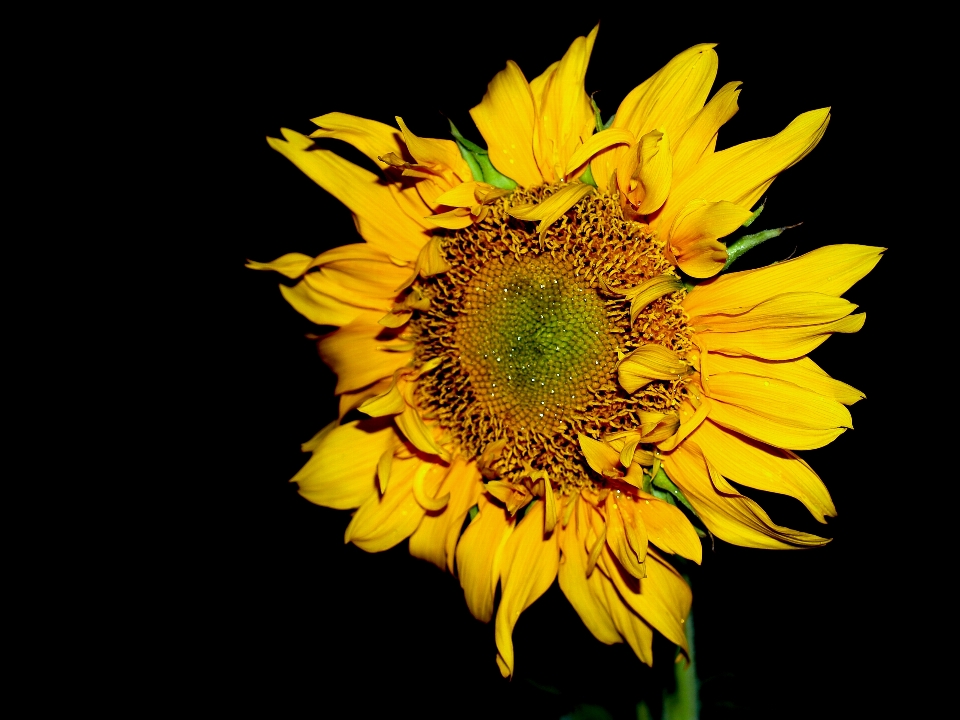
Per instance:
(693,236)
(548,211)
(372,138)
(776,412)
(700,138)
(387,520)
(466,486)
(550,511)
(435,540)
(355,272)
(293,265)
(423,495)
(514,497)
(729,516)
(650,290)
(419,433)
(668,528)
(447,168)
(358,354)
(379,219)
(389,402)
(645,172)
(790,309)
(668,99)
(596,143)
(637,633)
(662,599)
(831,270)
(626,535)
(564,115)
(779,343)
(354,399)
(455,219)
(742,174)
(674,93)
(763,467)
(319,307)
(600,456)
(344,281)
(584,593)
(463,195)
(690,419)
(802,371)
(479,554)
(341,472)
(649,363)
(530,563)
(505,118)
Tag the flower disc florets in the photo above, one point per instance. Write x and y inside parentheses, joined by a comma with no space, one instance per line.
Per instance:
(528,333)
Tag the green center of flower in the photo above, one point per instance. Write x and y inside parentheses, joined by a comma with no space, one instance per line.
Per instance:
(523,334)
(532,339)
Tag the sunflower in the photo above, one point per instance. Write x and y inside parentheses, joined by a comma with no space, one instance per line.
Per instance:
(542,373)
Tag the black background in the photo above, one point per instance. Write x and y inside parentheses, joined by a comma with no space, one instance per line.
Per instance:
(298,619)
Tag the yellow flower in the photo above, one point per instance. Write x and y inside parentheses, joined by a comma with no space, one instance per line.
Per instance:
(529,389)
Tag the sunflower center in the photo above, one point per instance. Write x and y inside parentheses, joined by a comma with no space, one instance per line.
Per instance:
(527,334)
(533,339)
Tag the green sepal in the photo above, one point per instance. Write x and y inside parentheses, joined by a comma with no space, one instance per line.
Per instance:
(472,163)
(756,213)
(663,495)
(479,161)
(526,508)
(473,512)
(596,114)
(748,242)
(587,177)
(609,121)
(661,481)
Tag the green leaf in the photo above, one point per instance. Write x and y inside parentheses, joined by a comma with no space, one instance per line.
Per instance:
(584,711)
(479,161)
